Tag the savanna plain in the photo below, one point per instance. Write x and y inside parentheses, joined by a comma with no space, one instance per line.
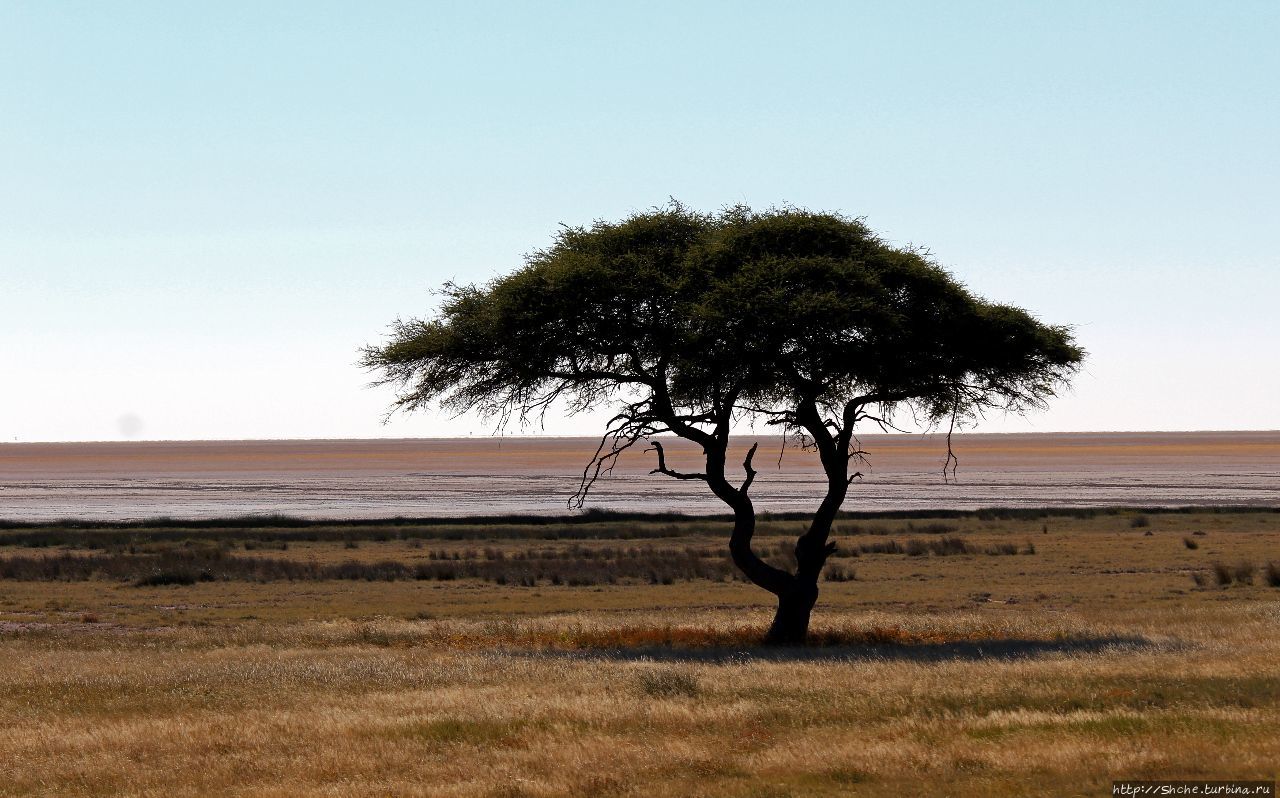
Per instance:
(965,653)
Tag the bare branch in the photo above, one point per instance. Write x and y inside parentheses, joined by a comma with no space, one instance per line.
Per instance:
(623,431)
(886,425)
(746,466)
(662,465)
(951,460)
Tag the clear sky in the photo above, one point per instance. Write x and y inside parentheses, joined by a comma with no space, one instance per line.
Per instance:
(206,208)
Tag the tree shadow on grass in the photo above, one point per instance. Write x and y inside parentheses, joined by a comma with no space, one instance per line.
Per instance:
(964,651)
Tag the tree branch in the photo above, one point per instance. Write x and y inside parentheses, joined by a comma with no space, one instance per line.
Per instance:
(952,460)
(662,465)
(665,412)
(746,466)
(630,428)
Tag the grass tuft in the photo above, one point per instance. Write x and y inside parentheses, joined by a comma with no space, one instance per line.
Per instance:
(1222,574)
(668,683)
(1241,574)
(1244,572)
(841,573)
(163,578)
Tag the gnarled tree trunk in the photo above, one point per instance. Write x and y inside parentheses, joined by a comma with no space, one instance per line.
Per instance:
(791,621)
(797,599)
(797,593)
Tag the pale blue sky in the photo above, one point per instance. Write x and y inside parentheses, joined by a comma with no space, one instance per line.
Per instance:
(206,208)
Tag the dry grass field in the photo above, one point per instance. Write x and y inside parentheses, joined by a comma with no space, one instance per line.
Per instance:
(1024,656)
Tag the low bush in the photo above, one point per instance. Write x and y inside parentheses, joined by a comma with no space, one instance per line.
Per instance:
(573,567)
(916,547)
(840,573)
(161,578)
(1241,574)
(1244,572)
(886,547)
(1221,574)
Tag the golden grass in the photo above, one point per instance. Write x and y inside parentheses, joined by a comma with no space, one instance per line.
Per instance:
(1122,670)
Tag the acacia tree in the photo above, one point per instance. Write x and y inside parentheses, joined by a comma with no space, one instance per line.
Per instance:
(691,324)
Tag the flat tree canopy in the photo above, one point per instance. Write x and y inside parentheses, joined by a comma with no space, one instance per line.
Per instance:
(689,323)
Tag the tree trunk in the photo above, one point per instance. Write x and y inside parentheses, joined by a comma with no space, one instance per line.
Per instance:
(791,621)
(799,594)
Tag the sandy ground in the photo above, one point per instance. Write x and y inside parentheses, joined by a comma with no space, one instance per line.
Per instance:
(422,477)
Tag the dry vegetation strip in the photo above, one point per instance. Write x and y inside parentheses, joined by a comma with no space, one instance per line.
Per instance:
(1096,658)
(576,565)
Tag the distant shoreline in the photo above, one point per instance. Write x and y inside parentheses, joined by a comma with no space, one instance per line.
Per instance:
(535,437)
(608,516)
(476,478)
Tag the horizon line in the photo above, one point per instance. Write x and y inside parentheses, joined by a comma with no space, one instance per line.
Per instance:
(501,437)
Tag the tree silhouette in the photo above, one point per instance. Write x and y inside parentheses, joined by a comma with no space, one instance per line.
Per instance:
(691,323)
